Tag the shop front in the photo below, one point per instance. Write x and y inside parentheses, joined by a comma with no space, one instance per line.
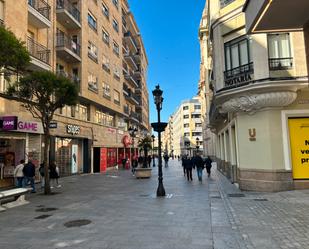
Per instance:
(19,140)
(70,150)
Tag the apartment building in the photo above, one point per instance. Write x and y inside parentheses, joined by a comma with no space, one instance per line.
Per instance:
(187,128)
(97,45)
(260,83)
(167,138)
(204,86)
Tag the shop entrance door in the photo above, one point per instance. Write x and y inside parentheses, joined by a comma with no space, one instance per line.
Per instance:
(299,141)
(96,160)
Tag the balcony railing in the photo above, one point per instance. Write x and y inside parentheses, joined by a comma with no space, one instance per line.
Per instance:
(38,51)
(72,77)
(64,41)
(280,63)
(135,116)
(238,75)
(224,3)
(41,6)
(129,35)
(66,5)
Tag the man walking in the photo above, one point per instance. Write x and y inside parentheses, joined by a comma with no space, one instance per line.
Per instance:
(188,165)
(199,164)
(19,175)
(208,162)
(29,173)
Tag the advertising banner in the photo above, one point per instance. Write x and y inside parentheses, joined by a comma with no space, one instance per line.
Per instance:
(74,158)
(103,159)
(299,140)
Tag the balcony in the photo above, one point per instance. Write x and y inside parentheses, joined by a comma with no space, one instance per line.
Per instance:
(131,97)
(126,90)
(126,110)
(128,37)
(40,55)
(276,64)
(68,15)
(67,49)
(130,60)
(238,76)
(129,77)
(73,78)
(39,13)
(135,116)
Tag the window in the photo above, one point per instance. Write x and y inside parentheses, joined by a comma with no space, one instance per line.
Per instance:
(104,118)
(116,48)
(224,3)
(186,116)
(115,2)
(237,53)
(92,21)
(196,134)
(186,134)
(279,51)
(105,10)
(3,83)
(92,82)
(116,72)
(116,97)
(82,112)
(197,107)
(115,25)
(186,125)
(185,108)
(92,51)
(198,124)
(106,90)
(105,36)
(106,63)
(196,116)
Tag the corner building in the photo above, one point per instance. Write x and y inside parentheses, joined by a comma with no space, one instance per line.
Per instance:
(260,99)
(90,42)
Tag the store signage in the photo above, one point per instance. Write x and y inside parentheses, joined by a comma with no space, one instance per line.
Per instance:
(110,130)
(9,123)
(238,79)
(126,141)
(53,125)
(73,129)
(30,127)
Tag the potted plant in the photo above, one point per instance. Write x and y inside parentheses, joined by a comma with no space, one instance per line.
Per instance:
(144,145)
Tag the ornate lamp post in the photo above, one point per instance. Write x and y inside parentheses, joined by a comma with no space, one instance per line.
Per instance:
(197,144)
(159,127)
(132,131)
(153,158)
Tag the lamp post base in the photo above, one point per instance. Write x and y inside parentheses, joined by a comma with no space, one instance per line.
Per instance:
(160,190)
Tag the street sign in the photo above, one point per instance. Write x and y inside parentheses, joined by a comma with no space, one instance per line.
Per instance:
(53,125)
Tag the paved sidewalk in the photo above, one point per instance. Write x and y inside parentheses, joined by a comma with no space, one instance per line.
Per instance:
(123,213)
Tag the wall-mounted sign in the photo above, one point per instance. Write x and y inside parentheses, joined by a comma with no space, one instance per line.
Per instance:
(126,140)
(9,123)
(252,134)
(73,129)
(53,125)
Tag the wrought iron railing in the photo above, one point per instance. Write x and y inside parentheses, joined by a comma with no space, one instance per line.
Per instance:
(129,34)
(238,75)
(41,6)
(66,5)
(64,41)
(134,115)
(280,63)
(38,51)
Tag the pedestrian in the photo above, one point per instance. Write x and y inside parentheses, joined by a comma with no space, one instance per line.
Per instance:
(208,162)
(140,161)
(54,175)
(183,165)
(134,164)
(29,174)
(199,164)
(165,160)
(42,174)
(149,160)
(19,175)
(153,158)
(188,165)
(124,161)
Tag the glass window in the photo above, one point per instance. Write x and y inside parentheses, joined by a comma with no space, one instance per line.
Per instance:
(105,10)
(116,71)
(106,63)
(186,134)
(186,116)
(279,46)
(116,97)
(196,134)
(92,21)
(197,107)
(105,36)
(185,108)
(196,116)
(115,25)
(106,90)
(92,50)
(115,2)
(104,118)
(186,125)
(92,82)
(116,48)
(198,124)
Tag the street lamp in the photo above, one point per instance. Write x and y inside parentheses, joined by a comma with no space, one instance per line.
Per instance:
(132,131)
(153,158)
(159,127)
(197,144)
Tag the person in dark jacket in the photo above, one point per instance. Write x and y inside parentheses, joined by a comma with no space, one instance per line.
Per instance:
(54,174)
(199,164)
(208,162)
(149,160)
(29,173)
(183,164)
(188,165)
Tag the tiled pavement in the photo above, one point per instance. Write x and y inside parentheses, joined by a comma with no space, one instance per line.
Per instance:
(125,214)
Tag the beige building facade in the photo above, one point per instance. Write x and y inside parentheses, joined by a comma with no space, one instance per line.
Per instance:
(167,138)
(96,44)
(187,128)
(260,99)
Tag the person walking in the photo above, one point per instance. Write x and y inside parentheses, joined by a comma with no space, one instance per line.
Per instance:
(188,165)
(199,164)
(149,161)
(42,172)
(29,173)
(134,164)
(165,160)
(208,162)
(19,175)
(54,175)
(183,165)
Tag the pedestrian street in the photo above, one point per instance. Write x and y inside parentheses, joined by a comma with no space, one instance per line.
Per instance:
(114,210)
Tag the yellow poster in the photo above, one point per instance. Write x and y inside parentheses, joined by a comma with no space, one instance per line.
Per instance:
(299,139)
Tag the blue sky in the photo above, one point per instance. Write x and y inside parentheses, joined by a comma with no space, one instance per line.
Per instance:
(170,34)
